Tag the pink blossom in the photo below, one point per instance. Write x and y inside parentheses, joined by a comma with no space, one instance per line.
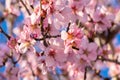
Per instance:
(12,42)
(103,21)
(89,50)
(58,33)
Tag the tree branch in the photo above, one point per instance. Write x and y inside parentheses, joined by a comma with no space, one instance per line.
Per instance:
(85,73)
(25,7)
(1,30)
(109,60)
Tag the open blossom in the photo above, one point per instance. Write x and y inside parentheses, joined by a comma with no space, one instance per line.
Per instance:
(12,42)
(24,47)
(71,38)
(77,5)
(77,8)
(57,12)
(73,33)
(55,57)
(104,51)
(30,32)
(103,21)
(89,49)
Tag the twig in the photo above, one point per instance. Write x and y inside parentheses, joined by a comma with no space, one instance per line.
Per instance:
(85,73)
(40,5)
(55,36)
(1,30)
(110,33)
(18,59)
(25,7)
(109,60)
(68,27)
(40,39)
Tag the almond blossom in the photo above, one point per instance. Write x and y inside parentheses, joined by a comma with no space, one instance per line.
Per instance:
(89,50)
(59,40)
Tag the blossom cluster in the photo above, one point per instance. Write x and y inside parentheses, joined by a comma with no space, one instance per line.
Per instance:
(59,40)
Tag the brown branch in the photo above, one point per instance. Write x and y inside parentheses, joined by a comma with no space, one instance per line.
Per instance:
(110,33)
(40,39)
(108,60)
(85,73)
(2,18)
(68,27)
(40,5)
(25,7)
(55,36)
(3,32)
(18,59)
(30,66)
